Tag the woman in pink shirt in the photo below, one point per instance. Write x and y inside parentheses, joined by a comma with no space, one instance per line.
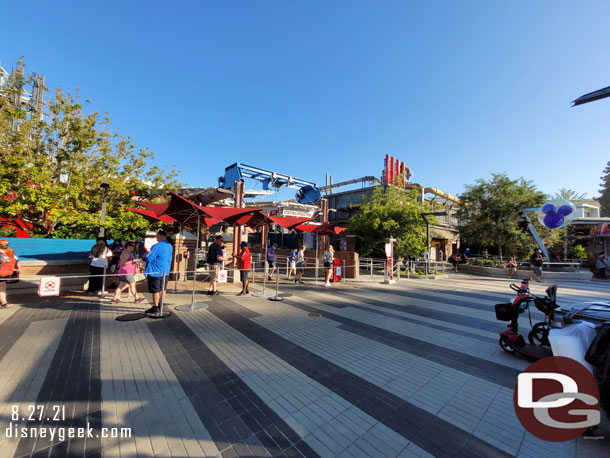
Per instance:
(128,266)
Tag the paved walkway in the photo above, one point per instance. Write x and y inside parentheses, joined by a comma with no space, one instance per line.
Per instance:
(409,370)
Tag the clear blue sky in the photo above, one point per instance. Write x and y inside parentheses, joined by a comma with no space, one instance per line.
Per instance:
(457,90)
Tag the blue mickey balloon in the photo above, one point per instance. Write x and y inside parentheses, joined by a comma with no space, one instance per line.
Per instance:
(556,213)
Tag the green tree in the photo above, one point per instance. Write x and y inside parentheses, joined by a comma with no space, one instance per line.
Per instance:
(391,212)
(52,168)
(604,198)
(570,194)
(491,213)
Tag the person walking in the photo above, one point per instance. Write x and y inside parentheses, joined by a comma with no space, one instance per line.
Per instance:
(158,266)
(244,265)
(215,260)
(8,266)
(292,268)
(99,255)
(536,260)
(300,265)
(510,267)
(329,257)
(128,267)
(271,260)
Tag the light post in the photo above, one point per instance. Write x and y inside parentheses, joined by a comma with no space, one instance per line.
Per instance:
(104,187)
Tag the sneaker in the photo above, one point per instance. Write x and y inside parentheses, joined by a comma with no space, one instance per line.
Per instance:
(241,293)
(301,282)
(216,293)
(327,285)
(210,293)
(539,281)
(152,310)
(269,278)
(115,301)
(139,299)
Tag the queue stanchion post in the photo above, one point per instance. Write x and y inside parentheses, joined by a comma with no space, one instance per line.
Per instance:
(317,267)
(263,293)
(162,313)
(399,265)
(193,307)
(104,283)
(277,298)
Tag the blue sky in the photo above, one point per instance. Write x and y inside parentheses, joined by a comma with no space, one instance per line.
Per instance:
(456,90)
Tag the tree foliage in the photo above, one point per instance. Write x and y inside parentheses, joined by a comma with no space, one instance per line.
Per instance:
(604,198)
(570,194)
(52,168)
(491,214)
(392,212)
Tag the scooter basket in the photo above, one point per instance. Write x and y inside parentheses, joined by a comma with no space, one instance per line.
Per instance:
(545,305)
(504,312)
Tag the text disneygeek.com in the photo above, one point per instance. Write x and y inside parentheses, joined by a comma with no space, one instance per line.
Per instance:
(61,433)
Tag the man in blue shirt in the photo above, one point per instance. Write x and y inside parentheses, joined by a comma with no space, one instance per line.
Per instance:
(158,265)
(271,259)
(215,258)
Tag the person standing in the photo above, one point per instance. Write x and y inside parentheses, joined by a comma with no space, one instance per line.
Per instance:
(8,266)
(329,257)
(215,260)
(113,265)
(244,264)
(300,264)
(128,267)
(292,269)
(601,265)
(536,260)
(99,255)
(158,265)
(271,260)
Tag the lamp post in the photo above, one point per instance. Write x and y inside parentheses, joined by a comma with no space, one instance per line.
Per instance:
(104,187)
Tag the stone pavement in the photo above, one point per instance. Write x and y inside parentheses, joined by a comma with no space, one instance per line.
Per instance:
(409,370)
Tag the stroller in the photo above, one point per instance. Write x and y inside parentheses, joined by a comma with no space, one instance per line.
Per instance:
(511,340)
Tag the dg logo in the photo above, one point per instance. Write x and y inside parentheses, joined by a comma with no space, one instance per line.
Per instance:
(556,399)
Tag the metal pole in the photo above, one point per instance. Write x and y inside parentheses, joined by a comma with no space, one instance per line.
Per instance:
(398,263)
(317,264)
(199,306)
(371,267)
(161,313)
(178,254)
(277,288)
(385,271)
(104,283)
(264,293)
(343,277)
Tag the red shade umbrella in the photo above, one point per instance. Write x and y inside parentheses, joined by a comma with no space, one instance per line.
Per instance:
(328,229)
(288,222)
(158,209)
(152,216)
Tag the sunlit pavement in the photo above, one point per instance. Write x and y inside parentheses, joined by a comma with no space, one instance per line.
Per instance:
(359,369)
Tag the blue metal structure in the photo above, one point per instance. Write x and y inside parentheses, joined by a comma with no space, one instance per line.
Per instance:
(308,191)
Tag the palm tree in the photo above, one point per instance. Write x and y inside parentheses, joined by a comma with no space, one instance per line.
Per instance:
(569,194)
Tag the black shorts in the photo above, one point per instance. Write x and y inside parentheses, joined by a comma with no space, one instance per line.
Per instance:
(154,284)
(243,275)
(327,264)
(271,263)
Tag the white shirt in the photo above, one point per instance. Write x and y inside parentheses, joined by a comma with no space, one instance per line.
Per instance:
(101,261)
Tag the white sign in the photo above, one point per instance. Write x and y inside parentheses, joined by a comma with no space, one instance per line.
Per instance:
(388,250)
(222,276)
(49,286)
(338,271)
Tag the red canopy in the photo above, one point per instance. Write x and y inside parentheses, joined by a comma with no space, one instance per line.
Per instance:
(151,216)
(329,228)
(288,222)
(321,229)
(158,209)
(231,215)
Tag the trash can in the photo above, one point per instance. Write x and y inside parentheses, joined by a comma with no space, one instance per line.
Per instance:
(337,273)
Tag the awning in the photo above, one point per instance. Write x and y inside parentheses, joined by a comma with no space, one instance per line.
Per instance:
(443,234)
